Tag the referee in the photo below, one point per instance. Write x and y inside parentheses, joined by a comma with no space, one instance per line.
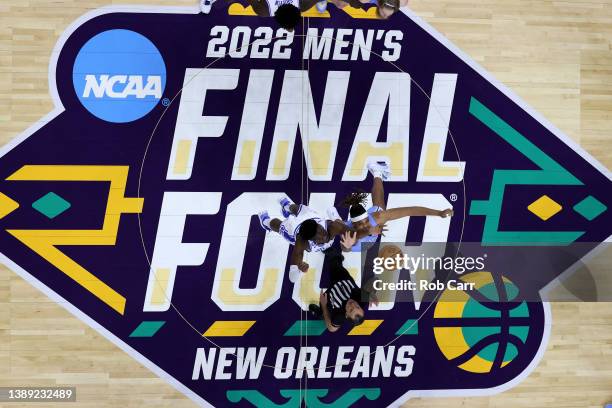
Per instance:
(342,301)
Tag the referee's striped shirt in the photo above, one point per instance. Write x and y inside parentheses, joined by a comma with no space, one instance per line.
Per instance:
(340,292)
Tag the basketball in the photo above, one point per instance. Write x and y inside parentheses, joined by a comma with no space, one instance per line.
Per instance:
(389,251)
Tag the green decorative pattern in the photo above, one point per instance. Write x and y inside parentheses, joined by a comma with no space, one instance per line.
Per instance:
(551,173)
(51,205)
(147,329)
(306,328)
(410,327)
(590,208)
(311,398)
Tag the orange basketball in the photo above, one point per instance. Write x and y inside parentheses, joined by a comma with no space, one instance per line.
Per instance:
(389,251)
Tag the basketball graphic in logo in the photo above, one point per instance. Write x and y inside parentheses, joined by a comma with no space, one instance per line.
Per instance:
(481,330)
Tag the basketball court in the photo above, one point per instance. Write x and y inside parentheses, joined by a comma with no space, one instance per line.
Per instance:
(140,140)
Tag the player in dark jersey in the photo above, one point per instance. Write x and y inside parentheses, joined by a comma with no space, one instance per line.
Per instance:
(343,301)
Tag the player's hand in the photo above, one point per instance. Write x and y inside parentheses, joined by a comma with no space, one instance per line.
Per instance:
(380,229)
(303,266)
(348,239)
(323,299)
(446,213)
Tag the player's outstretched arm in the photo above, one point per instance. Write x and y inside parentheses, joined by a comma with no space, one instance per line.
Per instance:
(348,240)
(342,228)
(325,310)
(382,217)
(297,255)
(350,237)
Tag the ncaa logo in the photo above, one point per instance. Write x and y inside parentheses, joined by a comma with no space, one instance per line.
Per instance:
(119,76)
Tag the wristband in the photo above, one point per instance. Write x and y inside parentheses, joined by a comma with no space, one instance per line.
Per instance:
(294,273)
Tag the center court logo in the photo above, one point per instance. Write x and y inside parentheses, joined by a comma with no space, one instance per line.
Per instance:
(119,76)
(162,253)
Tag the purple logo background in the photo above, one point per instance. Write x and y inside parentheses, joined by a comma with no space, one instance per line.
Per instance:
(75,137)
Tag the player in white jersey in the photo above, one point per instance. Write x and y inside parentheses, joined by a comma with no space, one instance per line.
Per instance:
(306,230)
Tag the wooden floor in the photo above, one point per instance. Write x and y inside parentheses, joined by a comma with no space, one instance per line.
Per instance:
(557,55)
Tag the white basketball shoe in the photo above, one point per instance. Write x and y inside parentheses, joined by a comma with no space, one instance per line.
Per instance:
(379,169)
(205,6)
(322,6)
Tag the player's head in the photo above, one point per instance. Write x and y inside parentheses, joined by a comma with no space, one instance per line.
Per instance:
(287,16)
(310,230)
(386,8)
(354,312)
(359,216)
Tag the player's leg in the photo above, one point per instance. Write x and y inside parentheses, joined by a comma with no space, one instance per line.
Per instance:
(275,224)
(322,6)
(260,7)
(339,3)
(306,5)
(380,172)
(289,227)
(288,207)
(315,311)
(290,211)
(205,6)
(267,223)
(378,193)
